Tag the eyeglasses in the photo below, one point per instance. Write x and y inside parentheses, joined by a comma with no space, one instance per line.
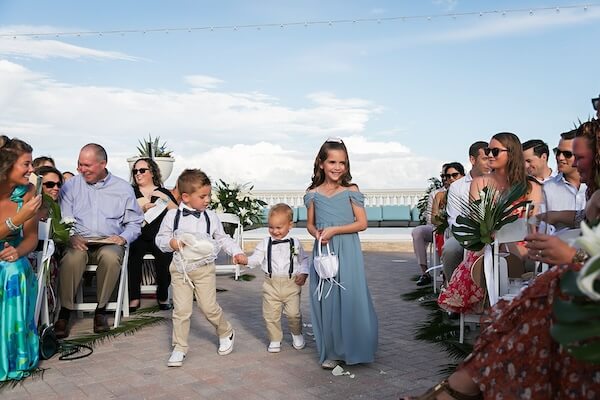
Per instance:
(453,175)
(51,184)
(494,151)
(141,170)
(566,153)
(595,103)
(334,140)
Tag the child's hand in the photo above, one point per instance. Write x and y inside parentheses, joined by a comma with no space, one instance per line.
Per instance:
(300,279)
(240,259)
(326,234)
(175,244)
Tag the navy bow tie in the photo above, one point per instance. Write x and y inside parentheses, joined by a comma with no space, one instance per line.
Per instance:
(281,241)
(195,213)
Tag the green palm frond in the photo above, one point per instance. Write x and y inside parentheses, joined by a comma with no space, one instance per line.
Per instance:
(481,218)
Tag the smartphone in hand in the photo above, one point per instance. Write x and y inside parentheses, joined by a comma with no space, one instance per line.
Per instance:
(38,185)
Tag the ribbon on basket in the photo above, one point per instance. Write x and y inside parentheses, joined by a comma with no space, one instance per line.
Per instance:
(488,270)
(327,267)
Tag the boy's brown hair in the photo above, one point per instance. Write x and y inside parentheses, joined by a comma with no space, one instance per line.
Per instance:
(282,208)
(191,180)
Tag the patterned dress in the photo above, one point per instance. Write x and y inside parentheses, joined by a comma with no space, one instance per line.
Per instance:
(19,344)
(462,294)
(344,322)
(516,358)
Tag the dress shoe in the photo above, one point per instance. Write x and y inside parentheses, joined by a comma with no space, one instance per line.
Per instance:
(61,328)
(165,306)
(425,279)
(100,323)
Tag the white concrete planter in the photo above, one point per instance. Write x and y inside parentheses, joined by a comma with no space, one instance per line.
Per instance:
(165,164)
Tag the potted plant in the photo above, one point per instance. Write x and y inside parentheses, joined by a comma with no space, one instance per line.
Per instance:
(152,148)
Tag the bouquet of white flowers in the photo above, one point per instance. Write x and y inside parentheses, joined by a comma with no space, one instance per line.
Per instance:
(237,199)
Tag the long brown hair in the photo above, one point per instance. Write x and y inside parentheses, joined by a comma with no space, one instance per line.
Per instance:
(591,131)
(515,167)
(10,151)
(318,176)
(156,176)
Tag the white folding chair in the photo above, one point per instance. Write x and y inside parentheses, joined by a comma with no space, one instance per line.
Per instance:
(122,303)
(496,279)
(238,236)
(43,269)
(151,289)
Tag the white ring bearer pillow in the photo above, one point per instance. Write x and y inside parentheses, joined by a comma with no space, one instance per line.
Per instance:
(196,250)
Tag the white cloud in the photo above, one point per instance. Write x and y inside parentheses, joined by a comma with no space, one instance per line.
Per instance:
(513,24)
(43,47)
(246,137)
(203,81)
(446,4)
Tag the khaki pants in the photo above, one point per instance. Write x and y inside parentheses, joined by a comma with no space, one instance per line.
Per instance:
(205,288)
(108,257)
(281,292)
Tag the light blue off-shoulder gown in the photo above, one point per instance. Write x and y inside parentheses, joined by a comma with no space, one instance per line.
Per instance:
(19,343)
(344,323)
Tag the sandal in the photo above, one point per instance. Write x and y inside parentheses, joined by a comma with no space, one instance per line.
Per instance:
(444,386)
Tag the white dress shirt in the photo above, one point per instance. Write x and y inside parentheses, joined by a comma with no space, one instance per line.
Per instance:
(191,224)
(457,193)
(280,258)
(560,194)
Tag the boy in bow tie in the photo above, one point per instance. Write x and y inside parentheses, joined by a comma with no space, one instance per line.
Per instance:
(286,267)
(193,268)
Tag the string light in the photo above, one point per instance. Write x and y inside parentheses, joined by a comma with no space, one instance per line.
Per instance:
(379,20)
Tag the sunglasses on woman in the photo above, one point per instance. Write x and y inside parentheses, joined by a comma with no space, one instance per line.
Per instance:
(566,153)
(51,184)
(453,175)
(493,150)
(141,170)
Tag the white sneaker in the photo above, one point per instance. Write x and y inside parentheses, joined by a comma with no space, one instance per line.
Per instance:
(226,344)
(298,341)
(176,359)
(274,347)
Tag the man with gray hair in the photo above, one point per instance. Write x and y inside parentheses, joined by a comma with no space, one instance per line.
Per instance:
(104,207)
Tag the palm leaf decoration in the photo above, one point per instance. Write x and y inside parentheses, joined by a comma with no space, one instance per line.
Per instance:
(481,218)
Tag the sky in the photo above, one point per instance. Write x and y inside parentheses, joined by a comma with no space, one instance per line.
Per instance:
(254,104)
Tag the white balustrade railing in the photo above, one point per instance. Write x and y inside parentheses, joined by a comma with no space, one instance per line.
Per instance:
(383,197)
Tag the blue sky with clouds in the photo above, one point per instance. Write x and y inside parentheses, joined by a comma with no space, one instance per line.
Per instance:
(255,104)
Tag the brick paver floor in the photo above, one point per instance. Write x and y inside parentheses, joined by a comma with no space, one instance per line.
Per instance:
(134,367)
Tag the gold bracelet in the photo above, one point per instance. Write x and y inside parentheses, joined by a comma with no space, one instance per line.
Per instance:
(580,257)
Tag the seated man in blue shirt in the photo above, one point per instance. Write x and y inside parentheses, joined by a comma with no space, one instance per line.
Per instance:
(565,191)
(104,207)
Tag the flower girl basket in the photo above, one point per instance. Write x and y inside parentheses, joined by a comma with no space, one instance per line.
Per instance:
(327,267)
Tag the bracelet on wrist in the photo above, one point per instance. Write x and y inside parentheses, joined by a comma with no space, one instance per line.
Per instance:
(580,257)
(11,225)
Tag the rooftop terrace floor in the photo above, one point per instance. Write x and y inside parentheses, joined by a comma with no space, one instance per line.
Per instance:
(134,367)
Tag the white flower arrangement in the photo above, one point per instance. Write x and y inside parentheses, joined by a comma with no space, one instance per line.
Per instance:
(237,199)
(590,242)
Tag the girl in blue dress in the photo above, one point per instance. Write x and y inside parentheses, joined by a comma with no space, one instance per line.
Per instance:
(19,345)
(344,321)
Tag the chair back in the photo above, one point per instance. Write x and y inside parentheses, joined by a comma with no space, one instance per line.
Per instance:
(43,263)
(238,234)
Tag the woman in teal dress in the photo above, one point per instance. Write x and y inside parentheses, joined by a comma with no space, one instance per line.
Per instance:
(344,321)
(19,345)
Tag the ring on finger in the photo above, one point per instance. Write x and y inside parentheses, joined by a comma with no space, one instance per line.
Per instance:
(540,254)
